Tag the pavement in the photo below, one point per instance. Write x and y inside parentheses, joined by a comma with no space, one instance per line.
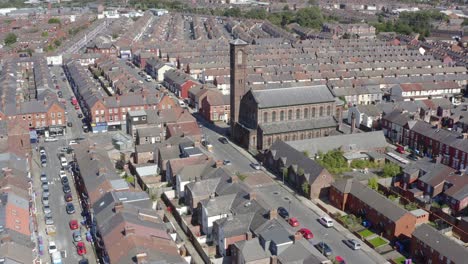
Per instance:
(63,235)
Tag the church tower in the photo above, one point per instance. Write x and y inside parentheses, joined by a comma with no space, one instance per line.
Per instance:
(238,65)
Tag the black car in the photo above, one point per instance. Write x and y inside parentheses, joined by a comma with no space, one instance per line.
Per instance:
(283,212)
(65,181)
(70,208)
(223,140)
(79,138)
(80,115)
(413,157)
(43,157)
(324,248)
(83,261)
(69,124)
(66,188)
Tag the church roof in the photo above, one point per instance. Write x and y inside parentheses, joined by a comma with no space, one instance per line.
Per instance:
(293,96)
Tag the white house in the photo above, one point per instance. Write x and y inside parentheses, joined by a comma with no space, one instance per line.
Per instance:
(423,91)
(214,208)
(156,69)
(366,115)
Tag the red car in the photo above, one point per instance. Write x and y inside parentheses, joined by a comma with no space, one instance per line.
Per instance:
(68,197)
(306,233)
(340,260)
(77,107)
(400,150)
(74,224)
(81,248)
(293,221)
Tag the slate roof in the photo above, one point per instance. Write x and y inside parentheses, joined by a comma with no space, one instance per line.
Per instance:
(291,157)
(292,96)
(450,138)
(252,250)
(219,204)
(441,244)
(346,142)
(369,110)
(298,125)
(301,252)
(398,118)
(372,198)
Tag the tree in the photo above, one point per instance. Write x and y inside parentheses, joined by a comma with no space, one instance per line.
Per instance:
(10,39)
(54,20)
(390,170)
(306,153)
(57,43)
(373,183)
(45,34)
(411,206)
(305,188)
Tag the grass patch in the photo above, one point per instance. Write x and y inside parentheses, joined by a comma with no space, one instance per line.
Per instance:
(377,242)
(366,233)
(400,260)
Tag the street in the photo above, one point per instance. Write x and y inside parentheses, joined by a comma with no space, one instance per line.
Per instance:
(63,234)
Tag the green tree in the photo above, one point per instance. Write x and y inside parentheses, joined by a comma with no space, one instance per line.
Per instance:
(306,153)
(285,174)
(411,206)
(54,20)
(286,8)
(45,34)
(390,170)
(57,43)
(10,39)
(305,188)
(373,183)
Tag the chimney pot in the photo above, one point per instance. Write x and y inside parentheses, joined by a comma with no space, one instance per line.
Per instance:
(142,258)
(129,230)
(252,196)
(273,214)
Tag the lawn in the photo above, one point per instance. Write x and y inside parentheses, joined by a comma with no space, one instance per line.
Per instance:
(377,242)
(365,233)
(400,260)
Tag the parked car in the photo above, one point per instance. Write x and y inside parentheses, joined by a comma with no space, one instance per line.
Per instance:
(69,124)
(49,220)
(353,244)
(83,261)
(324,248)
(52,247)
(44,164)
(46,209)
(77,236)
(66,188)
(68,197)
(293,221)
(51,139)
(80,115)
(43,177)
(413,157)
(45,200)
(45,186)
(80,248)
(326,221)
(256,166)
(65,181)
(306,233)
(46,193)
(400,149)
(73,224)
(72,142)
(226,162)
(62,174)
(70,208)
(223,140)
(283,212)
(42,150)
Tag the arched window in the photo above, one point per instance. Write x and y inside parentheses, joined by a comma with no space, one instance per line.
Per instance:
(306,113)
(265,117)
(286,138)
(290,115)
(273,116)
(269,141)
(328,110)
(309,135)
(321,111)
(317,134)
(298,114)
(294,137)
(282,115)
(301,136)
(313,112)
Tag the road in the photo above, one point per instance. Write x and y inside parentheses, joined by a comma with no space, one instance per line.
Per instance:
(63,236)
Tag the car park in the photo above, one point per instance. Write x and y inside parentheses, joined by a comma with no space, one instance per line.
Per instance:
(293,221)
(353,244)
(70,208)
(256,166)
(326,221)
(80,248)
(306,233)
(73,224)
(283,212)
(77,236)
(324,248)
(52,247)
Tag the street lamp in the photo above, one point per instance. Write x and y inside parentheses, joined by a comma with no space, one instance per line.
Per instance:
(290,207)
(323,243)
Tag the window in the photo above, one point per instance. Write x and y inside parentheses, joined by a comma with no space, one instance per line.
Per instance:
(52,115)
(321,111)
(306,113)
(328,110)
(281,115)
(265,117)
(143,118)
(298,114)
(290,115)
(59,115)
(43,116)
(110,118)
(313,112)
(102,112)
(110,111)
(97,112)
(273,116)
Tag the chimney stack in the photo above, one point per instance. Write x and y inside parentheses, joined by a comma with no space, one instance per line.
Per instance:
(252,196)
(234,179)
(118,206)
(273,214)
(142,258)
(353,122)
(248,235)
(129,230)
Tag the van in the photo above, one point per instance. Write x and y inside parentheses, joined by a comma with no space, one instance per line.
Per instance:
(326,221)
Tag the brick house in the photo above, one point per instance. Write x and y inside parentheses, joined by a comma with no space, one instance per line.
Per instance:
(430,246)
(215,106)
(389,219)
(156,68)
(179,82)
(140,58)
(300,169)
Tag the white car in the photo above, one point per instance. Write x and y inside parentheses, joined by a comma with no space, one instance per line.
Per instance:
(63,161)
(353,244)
(51,139)
(255,166)
(52,247)
(326,221)
(62,174)
(72,142)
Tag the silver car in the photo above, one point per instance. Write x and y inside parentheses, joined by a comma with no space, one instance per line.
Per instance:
(77,236)
(45,200)
(353,244)
(47,209)
(49,221)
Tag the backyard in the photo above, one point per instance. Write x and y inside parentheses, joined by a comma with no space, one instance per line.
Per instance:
(377,242)
(366,233)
